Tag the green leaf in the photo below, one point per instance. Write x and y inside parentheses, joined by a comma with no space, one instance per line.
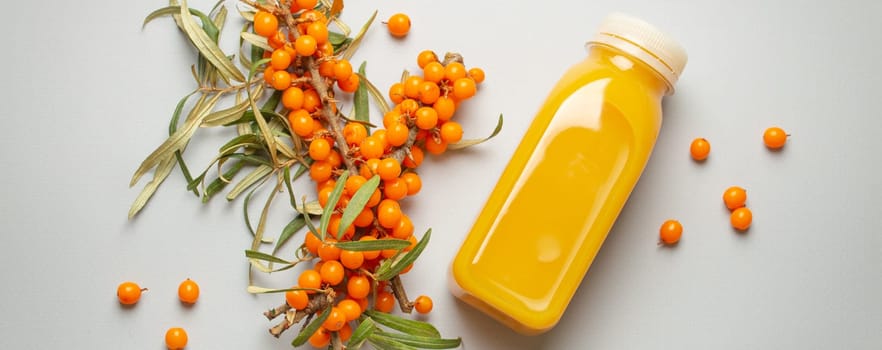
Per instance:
(311,328)
(421,342)
(337,39)
(207,46)
(228,115)
(357,203)
(387,344)
(312,230)
(256,40)
(253,254)
(221,181)
(286,176)
(261,122)
(404,325)
(162,171)
(400,262)
(263,290)
(172,127)
(175,10)
(379,99)
(256,175)
(271,103)
(371,245)
(360,100)
(350,50)
(290,229)
(468,143)
(365,329)
(332,203)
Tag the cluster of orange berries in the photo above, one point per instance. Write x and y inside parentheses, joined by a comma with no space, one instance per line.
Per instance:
(129,293)
(734,197)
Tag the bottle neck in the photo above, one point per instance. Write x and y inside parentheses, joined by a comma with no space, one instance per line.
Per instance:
(631,66)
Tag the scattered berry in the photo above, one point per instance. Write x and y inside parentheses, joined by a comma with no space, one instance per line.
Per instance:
(699,149)
(775,137)
(670,232)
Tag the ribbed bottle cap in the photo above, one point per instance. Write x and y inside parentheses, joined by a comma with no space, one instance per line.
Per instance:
(646,43)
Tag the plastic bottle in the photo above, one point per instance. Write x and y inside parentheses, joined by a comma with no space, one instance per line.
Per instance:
(569,178)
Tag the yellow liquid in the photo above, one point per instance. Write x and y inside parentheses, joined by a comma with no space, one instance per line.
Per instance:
(561,192)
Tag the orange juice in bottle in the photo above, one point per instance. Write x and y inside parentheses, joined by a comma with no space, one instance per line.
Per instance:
(569,178)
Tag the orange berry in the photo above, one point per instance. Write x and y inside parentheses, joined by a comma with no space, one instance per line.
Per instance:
(734,197)
(374,200)
(433,72)
(699,149)
(464,88)
(399,24)
(313,16)
(445,107)
(280,60)
(435,147)
(396,93)
(305,45)
(354,133)
(332,272)
(371,148)
(346,332)
(268,74)
(342,70)
(413,243)
(389,169)
(335,321)
(423,304)
(281,80)
(404,228)
(409,106)
(320,171)
(325,194)
(319,32)
(334,223)
(306,4)
(395,189)
(320,339)
(328,251)
(426,118)
(350,84)
(297,299)
(319,149)
(670,232)
(454,71)
(265,23)
(397,133)
(129,293)
(358,286)
(312,242)
(292,98)
(775,137)
(392,117)
(301,122)
(311,100)
(277,40)
(451,132)
(429,92)
(741,218)
(353,183)
(350,309)
(425,57)
(369,169)
(334,158)
(351,260)
(477,74)
(385,302)
(412,86)
(176,338)
(413,182)
(326,68)
(381,136)
(389,213)
(188,291)
(415,158)
(364,219)
(370,254)
(310,279)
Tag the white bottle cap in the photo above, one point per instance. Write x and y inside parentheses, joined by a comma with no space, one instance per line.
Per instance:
(644,42)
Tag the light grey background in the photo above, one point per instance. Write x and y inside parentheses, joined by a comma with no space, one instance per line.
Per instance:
(87,94)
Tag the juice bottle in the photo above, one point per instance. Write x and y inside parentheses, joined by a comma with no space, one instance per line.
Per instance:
(569,178)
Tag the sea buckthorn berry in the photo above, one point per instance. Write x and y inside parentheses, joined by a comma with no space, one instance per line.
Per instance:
(670,232)
(454,71)
(397,133)
(320,171)
(353,183)
(280,60)
(354,133)
(328,251)
(318,31)
(381,136)
(375,199)
(388,253)
(415,158)
(371,148)
(775,137)
(399,24)
(312,242)
(342,70)
(325,49)
(334,223)
(188,291)
(319,149)
(385,302)
(423,304)
(477,74)
(404,228)
(358,286)
(332,272)
(326,68)
(350,309)
(389,213)
(464,88)
(741,218)
(311,100)
(389,169)
(327,183)
(324,194)
(268,74)
(429,92)
(351,260)
(350,84)
(425,57)
(426,118)
(433,72)
(312,16)
(129,293)
(281,80)
(276,41)
(334,158)
(369,169)
(435,147)
(395,189)
(409,106)
(310,279)
(297,299)
(320,339)
(734,197)
(413,243)
(364,219)
(699,149)
(305,45)
(335,321)
(370,254)
(396,93)
(451,132)
(292,98)
(306,4)
(175,338)
(412,86)
(392,117)
(265,23)
(346,332)
(301,122)
(413,182)
(445,107)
